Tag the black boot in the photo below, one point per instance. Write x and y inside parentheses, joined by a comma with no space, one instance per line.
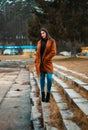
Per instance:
(43,96)
(48,97)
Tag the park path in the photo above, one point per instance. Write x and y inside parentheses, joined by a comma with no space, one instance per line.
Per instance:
(15,106)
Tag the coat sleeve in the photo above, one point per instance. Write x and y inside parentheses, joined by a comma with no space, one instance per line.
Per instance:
(37,61)
(52,51)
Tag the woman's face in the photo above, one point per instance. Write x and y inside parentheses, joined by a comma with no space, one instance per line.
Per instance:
(43,34)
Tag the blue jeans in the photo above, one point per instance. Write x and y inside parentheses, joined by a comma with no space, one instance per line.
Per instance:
(42,81)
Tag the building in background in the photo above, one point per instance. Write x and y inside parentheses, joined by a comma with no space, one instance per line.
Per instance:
(28,50)
(85,50)
(16,50)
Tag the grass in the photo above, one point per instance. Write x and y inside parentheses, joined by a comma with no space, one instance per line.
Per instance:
(14,57)
(55,117)
(66,58)
(76,64)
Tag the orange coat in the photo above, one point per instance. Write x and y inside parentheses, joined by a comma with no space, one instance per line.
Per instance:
(49,53)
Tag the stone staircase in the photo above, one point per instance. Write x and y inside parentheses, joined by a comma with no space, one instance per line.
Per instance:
(71,97)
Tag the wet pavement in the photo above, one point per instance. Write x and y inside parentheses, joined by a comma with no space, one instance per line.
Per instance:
(15,106)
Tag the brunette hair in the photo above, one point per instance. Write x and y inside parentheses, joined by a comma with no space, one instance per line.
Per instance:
(47,33)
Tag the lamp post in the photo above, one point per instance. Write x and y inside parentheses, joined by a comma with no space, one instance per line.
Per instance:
(30,49)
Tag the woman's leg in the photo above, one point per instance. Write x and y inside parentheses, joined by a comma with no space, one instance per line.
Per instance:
(49,82)
(42,85)
(42,81)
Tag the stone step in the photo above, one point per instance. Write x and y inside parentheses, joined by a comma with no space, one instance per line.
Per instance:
(60,82)
(74,80)
(34,117)
(72,95)
(64,112)
(74,72)
(1,75)
(45,111)
(51,128)
(6,81)
(70,125)
(23,77)
(35,114)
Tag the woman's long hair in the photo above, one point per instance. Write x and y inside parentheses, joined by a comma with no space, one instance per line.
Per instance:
(47,34)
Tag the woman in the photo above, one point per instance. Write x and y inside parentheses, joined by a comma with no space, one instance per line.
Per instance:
(46,50)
